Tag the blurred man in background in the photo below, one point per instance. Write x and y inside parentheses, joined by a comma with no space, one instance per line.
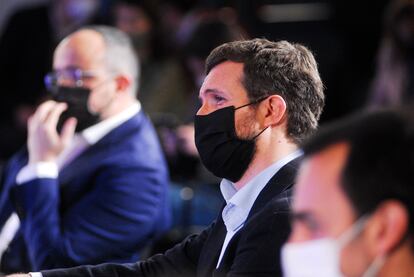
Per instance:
(393,83)
(91,186)
(26,51)
(165,88)
(353,203)
(259,100)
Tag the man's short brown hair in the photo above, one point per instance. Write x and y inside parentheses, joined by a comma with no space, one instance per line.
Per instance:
(281,68)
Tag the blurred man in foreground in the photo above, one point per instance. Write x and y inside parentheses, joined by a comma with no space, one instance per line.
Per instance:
(91,185)
(259,99)
(353,204)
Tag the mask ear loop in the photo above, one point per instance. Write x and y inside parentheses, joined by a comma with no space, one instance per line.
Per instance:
(255,137)
(350,234)
(375,267)
(252,103)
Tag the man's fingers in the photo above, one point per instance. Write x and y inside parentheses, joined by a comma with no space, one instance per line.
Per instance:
(68,131)
(53,117)
(43,111)
(30,124)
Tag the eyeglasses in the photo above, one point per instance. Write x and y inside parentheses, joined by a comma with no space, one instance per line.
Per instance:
(72,75)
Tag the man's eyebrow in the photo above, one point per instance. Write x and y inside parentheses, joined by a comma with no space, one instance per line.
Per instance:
(301,216)
(69,67)
(213,90)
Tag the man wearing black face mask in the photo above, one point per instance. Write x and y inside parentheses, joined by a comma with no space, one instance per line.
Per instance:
(91,185)
(259,99)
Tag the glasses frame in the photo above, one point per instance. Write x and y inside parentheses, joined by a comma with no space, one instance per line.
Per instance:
(75,75)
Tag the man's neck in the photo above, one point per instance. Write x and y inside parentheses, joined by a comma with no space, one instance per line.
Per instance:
(400,263)
(118,107)
(265,157)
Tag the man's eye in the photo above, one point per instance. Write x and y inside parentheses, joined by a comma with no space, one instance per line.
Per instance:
(314,228)
(218,98)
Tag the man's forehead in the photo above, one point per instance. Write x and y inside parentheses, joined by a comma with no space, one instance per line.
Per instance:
(333,156)
(322,169)
(319,179)
(82,48)
(223,76)
(229,68)
(319,195)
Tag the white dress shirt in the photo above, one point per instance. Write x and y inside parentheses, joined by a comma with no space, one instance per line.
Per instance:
(80,142)
(239,203)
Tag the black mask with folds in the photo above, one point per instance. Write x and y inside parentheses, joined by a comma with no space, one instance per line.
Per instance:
(77,100)
(221,151)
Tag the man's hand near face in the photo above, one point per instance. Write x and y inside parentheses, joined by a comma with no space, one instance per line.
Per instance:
(44,142)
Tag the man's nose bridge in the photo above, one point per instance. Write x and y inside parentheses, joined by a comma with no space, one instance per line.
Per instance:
(66,81)
(202,110)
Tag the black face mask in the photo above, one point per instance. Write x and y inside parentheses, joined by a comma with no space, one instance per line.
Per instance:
(220,150)
(77,100)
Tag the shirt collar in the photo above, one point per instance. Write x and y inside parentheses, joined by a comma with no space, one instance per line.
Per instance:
(96,132)
(243,199)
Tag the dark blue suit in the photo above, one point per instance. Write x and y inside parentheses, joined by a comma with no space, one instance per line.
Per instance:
(106,205)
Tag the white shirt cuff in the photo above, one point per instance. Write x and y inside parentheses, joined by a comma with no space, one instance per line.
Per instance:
(37,170)
(35,274)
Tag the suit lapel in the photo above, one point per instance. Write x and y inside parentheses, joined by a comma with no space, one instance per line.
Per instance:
(79,165)
(211,251)
(8,181)
(280,182)
(91,154)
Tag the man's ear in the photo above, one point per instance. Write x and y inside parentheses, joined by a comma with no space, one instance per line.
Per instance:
(389,227)
(123,83)
(273,110)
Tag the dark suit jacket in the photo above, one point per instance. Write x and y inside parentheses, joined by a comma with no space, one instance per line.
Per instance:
(253,251)
(106,205)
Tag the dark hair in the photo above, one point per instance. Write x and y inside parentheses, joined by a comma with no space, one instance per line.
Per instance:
(281,68)
(380,163)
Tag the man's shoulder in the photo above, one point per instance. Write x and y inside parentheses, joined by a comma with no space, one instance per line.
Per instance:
(273,204)
(270,213)
(135,131)
(284,181)
(263,235)
(137,125)
(135,139)
(278,191)
(286,174)
(279,204)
